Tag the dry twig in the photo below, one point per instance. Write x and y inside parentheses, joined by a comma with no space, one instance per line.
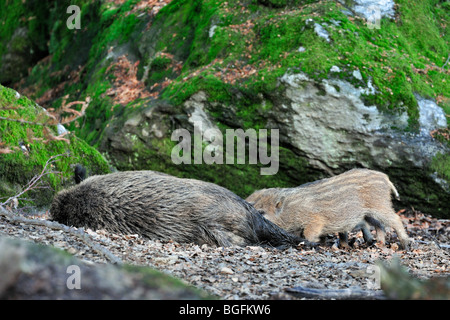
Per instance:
(35,182)
(49,117)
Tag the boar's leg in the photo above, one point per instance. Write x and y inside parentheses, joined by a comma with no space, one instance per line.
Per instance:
(364,227)
(400,230)
(313,230)
(343,240)
(391,219)
(381,233)
(367,235)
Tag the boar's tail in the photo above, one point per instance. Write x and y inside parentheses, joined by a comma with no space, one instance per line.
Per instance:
(268,233)
(394,190)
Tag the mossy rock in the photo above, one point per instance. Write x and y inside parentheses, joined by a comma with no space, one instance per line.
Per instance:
(30,153)
(26,265)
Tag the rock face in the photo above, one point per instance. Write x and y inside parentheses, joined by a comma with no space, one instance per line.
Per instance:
(327,123)
(431,116)
(369,8)
(20,54)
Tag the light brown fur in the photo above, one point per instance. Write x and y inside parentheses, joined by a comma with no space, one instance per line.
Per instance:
(337,204)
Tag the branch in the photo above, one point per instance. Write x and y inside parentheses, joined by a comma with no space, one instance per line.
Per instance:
(23,121)
(338,294)
(446,61)
(50,137)
(10,107)
(51,121)
(76,114)
(33,183)
(5,149)
(78,233)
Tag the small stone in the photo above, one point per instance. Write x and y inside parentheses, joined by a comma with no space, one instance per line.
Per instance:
(226,270)
(335,69)
(357,74)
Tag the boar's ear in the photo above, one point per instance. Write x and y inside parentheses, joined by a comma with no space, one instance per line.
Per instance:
(279,206)
(280,203)
(79,174)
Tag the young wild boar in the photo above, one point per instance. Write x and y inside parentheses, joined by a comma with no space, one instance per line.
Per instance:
(337,204)
(160,206)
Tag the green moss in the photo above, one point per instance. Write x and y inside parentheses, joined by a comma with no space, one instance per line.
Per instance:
(441,165)
(184,24)
(157,279)
(387,56)
(102,26)
(72,46)
(217,90)
(269,44)
(160,69)
(11,13)
(282,3)
(160,63)
(118,32)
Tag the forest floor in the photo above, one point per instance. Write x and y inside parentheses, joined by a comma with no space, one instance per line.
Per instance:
(259,272)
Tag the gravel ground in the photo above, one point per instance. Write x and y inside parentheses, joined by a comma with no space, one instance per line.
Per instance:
(259,272)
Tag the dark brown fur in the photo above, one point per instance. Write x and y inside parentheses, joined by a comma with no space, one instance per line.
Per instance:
(159,206)
(333,205)
(79,173)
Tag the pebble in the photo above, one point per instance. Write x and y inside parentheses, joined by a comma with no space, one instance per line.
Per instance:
(249,272)
(226,270)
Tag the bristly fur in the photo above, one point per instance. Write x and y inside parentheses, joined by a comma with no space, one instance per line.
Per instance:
(336,204)
(160,206)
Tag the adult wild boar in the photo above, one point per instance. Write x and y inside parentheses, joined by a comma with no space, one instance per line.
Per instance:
(159,206)
(336,204)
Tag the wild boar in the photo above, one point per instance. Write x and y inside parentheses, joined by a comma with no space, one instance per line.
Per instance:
(336,204)
(160,206)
